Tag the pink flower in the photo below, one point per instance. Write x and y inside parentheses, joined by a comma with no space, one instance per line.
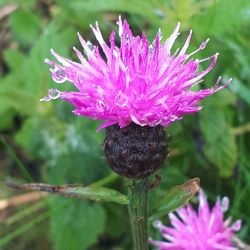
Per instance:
(205,230)
(134,81)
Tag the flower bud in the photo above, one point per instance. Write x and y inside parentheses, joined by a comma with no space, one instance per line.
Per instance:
(135,151)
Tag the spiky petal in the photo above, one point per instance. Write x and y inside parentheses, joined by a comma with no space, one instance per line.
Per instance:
(134,82)
(202,230)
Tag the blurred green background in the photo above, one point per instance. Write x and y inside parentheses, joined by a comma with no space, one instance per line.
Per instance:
(44,142)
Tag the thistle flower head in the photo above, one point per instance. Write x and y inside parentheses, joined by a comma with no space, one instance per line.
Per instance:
(204,230)
(134,81)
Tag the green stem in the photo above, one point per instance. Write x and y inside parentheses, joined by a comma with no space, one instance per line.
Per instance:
(138,213)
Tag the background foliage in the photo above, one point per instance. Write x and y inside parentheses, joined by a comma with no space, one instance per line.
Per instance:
(44,142)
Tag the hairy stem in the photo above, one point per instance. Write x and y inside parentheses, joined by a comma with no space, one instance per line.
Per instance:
(138,213)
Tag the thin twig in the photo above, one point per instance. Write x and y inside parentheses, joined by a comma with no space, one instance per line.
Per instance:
(242,129)
(21,199)
(7,9)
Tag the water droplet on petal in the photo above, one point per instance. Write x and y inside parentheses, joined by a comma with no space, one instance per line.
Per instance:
(90,45)
(204,44)
(100,105)
(151,48)
(121,99)
(59,75)
(54,93)
(224,204)
(173,118)
(157,224)
(155,123)
(45,99)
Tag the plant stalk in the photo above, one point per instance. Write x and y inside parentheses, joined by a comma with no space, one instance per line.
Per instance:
(138,212)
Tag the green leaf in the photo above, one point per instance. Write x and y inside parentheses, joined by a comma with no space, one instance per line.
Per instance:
(221,98)
(176,197)
(14,58)
(143,8)
(25,25)
(96,194)
(116,225)
(220,146)
(223,152)
(222,16)
(212,123)
(241,90)
(28,137)
(75,191)
(75,225)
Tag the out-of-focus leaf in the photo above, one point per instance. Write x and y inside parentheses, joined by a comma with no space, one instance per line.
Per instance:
(14,98)
(241,90)
(221,98)
(75,224)
(144,8)
(28,137)
(7,121)
(116,225)
(213,123)
(25,25)
(223,152)
(220,145)
(14,58)
(175,198)
(213,21)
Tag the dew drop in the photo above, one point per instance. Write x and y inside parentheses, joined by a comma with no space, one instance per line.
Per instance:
(204,44)
(121,99)
(45,99)
(155,123)
(54,93)
(224,204)
(90,45)
(151,49)
(157,224)
(59,75)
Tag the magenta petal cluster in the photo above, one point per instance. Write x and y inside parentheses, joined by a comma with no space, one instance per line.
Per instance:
(202,230)
(134,81)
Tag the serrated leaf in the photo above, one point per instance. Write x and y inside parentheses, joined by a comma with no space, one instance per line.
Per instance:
(177,197)
(220,145)
(75,191)
(212,123)
(223,152)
